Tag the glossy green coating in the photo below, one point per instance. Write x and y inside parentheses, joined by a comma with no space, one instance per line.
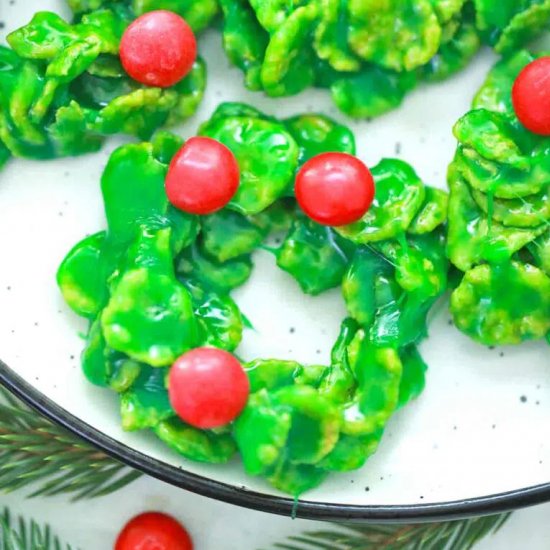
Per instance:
(337,381)
(261,432)
(228,234)
(368,284)
(150,315)
(133,189)
(314,423)
(292,425)
(414,375)
(125,372)
(370,54)
(314,255)
(511,23)
(540,249)
(196,263)
(218,316)
(165,146)
(529,211)
(194,444)
(432,213)
(351,452)
(271,374)
(331,37)
(498,155)
(372,91)
(499,207)
(95,365)
(472,238)
(287,66)
(494,94)
(146,403)
(198,13)
(4,154)
(157,282)
(485,308)
(82,276)
(244,40)
(378,371)
(267,155)
(454,54)
(317,134)
(447,10)
(419,262)
(399,194)
(295,479)
(62,89)
(278,217)
(399,35)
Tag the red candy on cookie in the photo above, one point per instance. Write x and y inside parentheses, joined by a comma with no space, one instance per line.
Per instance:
(158,49)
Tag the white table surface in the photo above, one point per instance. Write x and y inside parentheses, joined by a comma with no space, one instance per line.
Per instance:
(93,525)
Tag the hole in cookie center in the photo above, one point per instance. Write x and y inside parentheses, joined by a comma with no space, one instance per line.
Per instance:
(287,324)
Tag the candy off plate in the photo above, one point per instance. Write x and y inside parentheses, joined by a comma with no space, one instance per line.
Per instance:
(474,442)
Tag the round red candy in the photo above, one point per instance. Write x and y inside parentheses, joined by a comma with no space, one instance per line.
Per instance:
(208,387)
(203,176)
(153,531)
(334,188)
(531,96)
(158,49)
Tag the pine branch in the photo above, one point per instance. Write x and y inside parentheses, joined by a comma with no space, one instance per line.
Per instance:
(23,534)
(450,535)
(33,450)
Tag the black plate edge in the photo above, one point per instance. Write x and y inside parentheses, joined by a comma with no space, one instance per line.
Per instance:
(479,506)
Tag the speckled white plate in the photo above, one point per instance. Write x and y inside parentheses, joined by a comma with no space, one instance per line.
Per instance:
(475,441)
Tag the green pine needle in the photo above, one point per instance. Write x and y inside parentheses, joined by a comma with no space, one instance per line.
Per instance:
(22,534)
(35,451)
(449,535)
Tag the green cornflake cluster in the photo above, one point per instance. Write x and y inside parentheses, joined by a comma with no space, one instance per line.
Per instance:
(63,89)
(499,217)
(157,283)
(509,24)
(368,53)
(198,13)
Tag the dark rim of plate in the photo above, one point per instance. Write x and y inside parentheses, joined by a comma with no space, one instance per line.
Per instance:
(490,504)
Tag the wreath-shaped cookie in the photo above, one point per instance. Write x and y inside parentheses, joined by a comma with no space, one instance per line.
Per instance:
(157,283)
(499,213)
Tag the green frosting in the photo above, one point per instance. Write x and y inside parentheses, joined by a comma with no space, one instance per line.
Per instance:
(499,207)
(157,282)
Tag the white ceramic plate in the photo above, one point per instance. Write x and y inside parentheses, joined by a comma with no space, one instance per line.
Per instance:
(475,441)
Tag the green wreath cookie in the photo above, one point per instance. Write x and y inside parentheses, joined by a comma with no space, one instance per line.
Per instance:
(63,88)
(157,284)
(499,214)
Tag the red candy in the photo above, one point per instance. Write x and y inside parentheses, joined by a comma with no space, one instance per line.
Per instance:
(334,188)
(158,49)
(203,176)
(153,531)
(208,387)
(531,96)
